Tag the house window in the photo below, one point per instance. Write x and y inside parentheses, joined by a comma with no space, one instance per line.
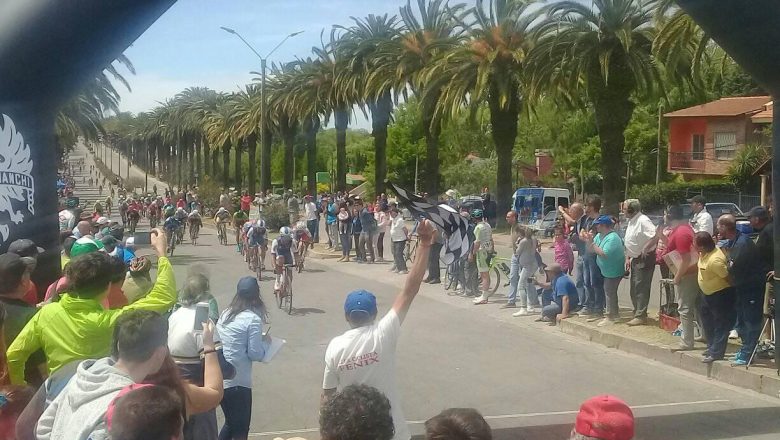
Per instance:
(725,145)
(697,147)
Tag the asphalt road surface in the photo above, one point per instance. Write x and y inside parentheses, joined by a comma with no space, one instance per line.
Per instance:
(526,378)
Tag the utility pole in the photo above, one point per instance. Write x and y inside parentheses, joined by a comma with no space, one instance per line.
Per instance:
(628,174)
(658,152)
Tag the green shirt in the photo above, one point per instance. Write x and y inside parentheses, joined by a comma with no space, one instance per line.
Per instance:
(75,329)
(613,265)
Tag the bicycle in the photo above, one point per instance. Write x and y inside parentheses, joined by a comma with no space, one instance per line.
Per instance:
(222,233)
(172,234)
(194,231)
(301,258)
(152,220)
(496,266)
(410,250)
(133,217)
(285,292)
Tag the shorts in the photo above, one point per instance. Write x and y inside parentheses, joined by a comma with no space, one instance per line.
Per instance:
(261,242)
(287,254)
(482,261)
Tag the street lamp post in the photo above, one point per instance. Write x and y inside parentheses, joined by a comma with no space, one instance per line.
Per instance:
(265,152)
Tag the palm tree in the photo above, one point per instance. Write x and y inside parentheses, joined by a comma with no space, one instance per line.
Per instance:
(602,56)
(219,134)
(281,116)
(245,123)
(361,46)
(403,60)
(489,68)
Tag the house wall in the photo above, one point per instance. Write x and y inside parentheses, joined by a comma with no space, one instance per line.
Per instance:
(740,125)
(681,131)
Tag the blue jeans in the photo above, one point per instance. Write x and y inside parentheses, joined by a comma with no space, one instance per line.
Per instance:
(237,407)
(514,277)
(579,268)
(750,314)
(594,285)
(346,244)
(551,311)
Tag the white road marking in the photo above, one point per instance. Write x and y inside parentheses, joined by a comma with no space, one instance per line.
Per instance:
(509,416)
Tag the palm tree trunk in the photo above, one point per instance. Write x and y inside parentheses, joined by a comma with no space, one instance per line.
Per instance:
(342,122)
(207,165)
(226,164)
(311,126)
(289,152)
(199,159)
(251,145)
(504,124)
(381,111)
(265,160)
(431,130)
(239,157)
(191,161)
(179,161)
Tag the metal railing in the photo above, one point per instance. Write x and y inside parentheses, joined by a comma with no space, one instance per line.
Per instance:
(686,160)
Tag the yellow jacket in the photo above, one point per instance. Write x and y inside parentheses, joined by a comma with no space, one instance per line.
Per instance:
(75,329)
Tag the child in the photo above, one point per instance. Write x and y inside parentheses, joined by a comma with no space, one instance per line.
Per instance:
(563,252)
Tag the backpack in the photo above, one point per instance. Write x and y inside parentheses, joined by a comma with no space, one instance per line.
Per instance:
(284,243)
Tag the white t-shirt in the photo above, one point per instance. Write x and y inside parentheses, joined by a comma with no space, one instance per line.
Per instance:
(311,211)
(702,221)
(67,220)
(183,340)
(639,230)
(366,355)
(397,229)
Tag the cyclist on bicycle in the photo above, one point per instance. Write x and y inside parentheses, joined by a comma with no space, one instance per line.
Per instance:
(123,210)
(301,239)
(194,219)
(154,213)
(239,218)
(482,251)
(133,213)
(256,240)
(172,221)
(281,252)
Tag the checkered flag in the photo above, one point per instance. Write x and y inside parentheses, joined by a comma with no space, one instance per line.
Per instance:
(447,220)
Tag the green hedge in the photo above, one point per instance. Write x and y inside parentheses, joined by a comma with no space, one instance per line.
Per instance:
(656,197)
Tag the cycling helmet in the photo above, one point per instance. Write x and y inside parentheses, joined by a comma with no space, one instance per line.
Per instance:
(284,231)
(71,203)
(261,223)
(194,212)
(180,209)
(476,213)
(169,211)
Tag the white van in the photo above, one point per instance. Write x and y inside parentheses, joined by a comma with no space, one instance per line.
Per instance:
(532,204)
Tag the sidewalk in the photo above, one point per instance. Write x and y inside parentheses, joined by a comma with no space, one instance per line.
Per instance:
(648,341)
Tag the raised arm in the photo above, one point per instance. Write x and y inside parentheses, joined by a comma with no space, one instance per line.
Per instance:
(25,344)
(426,233)
(210,394)
(566,215)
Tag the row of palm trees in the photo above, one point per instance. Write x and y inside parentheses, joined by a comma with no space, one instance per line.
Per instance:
(500,53)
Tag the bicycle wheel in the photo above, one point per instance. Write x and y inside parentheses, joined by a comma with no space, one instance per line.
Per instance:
(277,295)
(300,262)
(288,293)
(172,244)
(258,268)
(495,279)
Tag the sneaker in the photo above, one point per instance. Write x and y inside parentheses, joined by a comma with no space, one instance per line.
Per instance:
(637,321)
(404,271)
(594,317)
(606,322)
(533,311)
(394,270)
(521,312)
(508,306)
(682,347)
(434,282)
(739,361)
(585,312)
(733,334)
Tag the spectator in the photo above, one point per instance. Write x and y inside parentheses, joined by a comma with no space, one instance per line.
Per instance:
(701,220)
(610,258)
(139,349)
(66,240)
(575,219)
(593,279)
(138,283)
(458,424)
(76,327)
(761,222)
(516,232)
(146,413)
(13,400)
(358,412)
(246,202)
(681,241)
(564,255)
(345,231)
(366,353)
(434,270)
(383,221)
(398,236)
(332,223)
(743,258)
(310,211)
(481,251)
(292,208)
(83,228)
(604,418)
(357,229)
(367,234)
(243,342)
(717,310)
(565,298)
(640,260)
(27,248)
(525,251)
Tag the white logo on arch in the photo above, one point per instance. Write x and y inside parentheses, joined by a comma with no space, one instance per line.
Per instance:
(16,180)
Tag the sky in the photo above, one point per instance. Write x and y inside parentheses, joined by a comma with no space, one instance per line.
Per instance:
(186,46)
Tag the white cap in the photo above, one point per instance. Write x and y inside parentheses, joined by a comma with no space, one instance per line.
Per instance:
(129,241)
(102,220)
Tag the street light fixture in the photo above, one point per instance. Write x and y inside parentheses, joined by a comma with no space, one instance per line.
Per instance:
(265,155)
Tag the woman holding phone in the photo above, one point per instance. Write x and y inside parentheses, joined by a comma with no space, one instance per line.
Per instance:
(243,342)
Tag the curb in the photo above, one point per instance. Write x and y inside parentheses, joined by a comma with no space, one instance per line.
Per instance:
(767,384)
(323,255)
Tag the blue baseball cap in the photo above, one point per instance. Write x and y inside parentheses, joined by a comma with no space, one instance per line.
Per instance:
(248,287)
(604,220)
(360,301)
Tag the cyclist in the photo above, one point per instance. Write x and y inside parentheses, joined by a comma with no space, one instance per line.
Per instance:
(172,222)
(222,218)
(482,251)
(154,213)
(123,210)
(239,218)
(133,214)
(301,240)
(108,205)
(256,240)
(281,253)
(195,221)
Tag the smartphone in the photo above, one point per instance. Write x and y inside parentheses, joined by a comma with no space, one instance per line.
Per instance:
(142,238)
(267,331)
(201,315)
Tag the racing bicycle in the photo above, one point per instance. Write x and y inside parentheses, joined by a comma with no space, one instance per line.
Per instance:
(496,266)
(222,233)
(285,293)
(194,231)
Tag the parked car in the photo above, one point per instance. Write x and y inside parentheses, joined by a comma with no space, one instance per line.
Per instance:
(718,209)
(548,224)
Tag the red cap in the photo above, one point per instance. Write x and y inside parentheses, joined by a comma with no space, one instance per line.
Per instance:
(606,418)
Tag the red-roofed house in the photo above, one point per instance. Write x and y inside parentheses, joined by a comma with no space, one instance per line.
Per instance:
(703,139)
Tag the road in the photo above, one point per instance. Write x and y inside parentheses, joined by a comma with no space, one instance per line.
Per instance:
(528,379)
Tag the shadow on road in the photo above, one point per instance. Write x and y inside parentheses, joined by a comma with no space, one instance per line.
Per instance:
(185,259)
(708,425)
(306,311)
(313,270)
